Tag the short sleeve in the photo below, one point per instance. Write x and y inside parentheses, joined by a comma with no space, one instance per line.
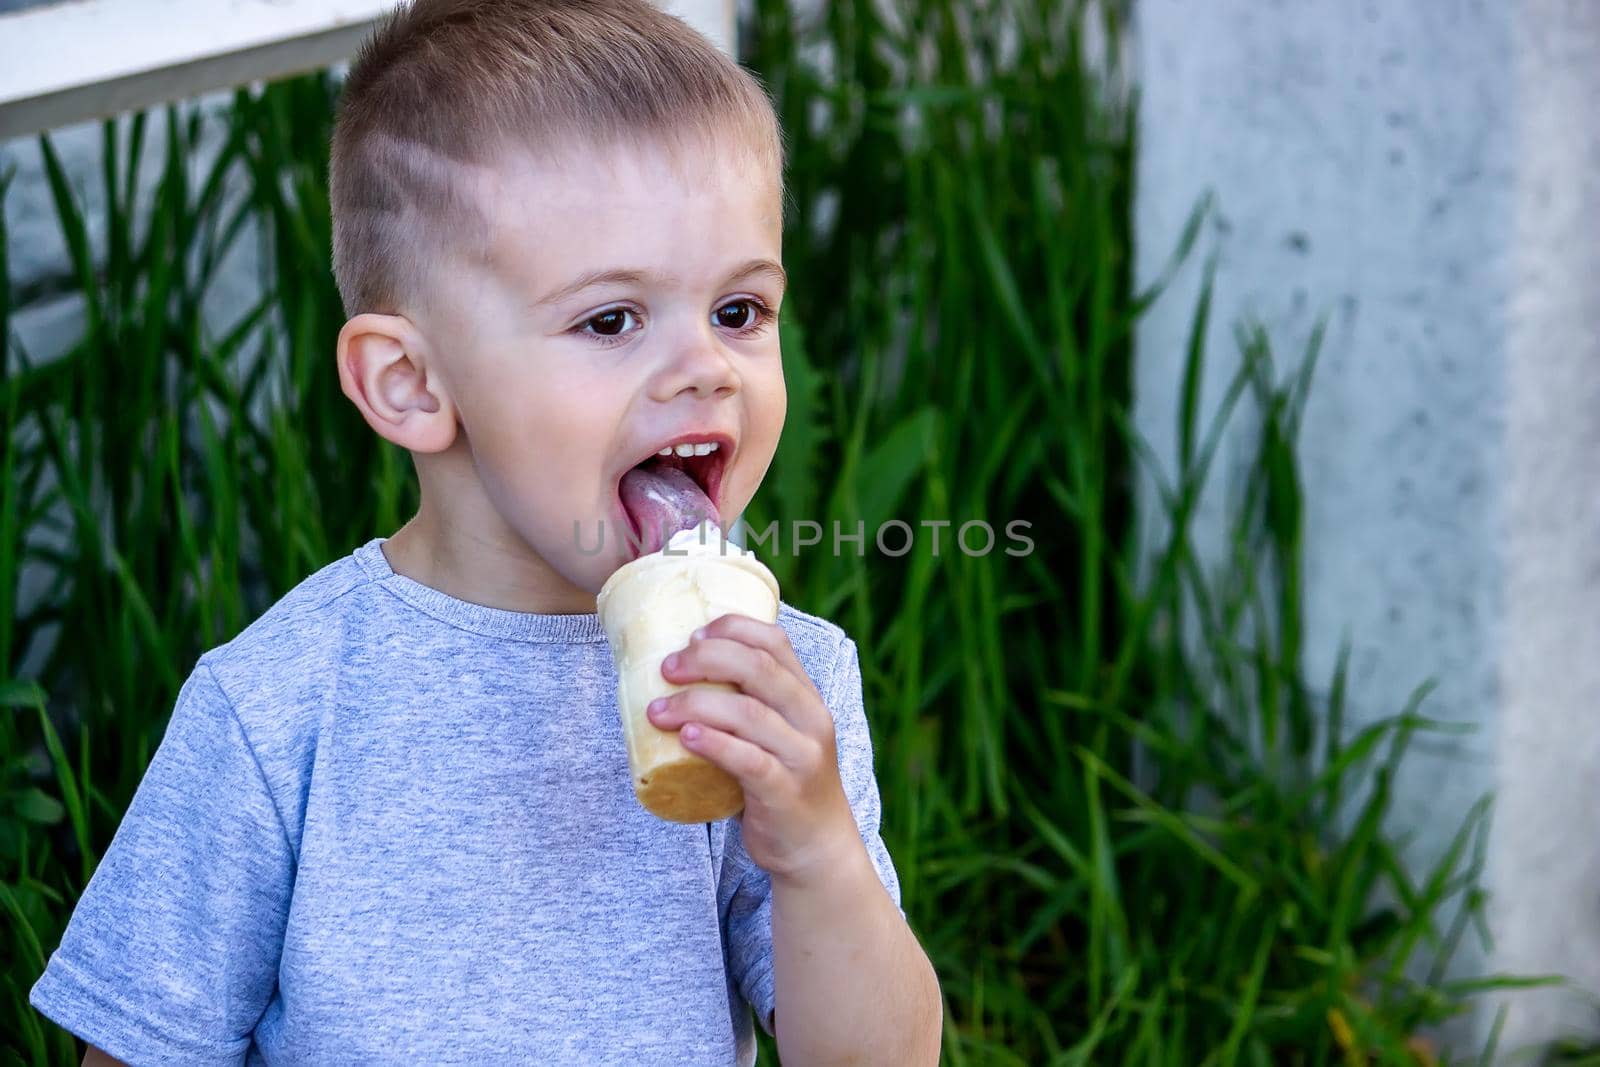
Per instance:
(171,954)
(747,902)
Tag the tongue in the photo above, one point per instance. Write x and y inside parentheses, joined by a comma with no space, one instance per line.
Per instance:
(662,500)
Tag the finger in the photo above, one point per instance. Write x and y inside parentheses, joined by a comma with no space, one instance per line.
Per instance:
(754,670)
(756,769)
(735,713)
(754,632)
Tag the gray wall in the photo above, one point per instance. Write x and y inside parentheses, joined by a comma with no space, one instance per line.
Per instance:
(1423,176)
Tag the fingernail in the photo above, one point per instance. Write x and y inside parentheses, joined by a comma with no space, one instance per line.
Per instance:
(690,732)
(700,633)
(656,706)
(671,662)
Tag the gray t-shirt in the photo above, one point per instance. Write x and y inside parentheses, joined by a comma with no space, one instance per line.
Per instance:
(389,825)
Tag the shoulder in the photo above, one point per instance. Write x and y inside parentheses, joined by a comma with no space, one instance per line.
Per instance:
(822,646)
(811,633)
(299,619)
(281,676)
(284,661)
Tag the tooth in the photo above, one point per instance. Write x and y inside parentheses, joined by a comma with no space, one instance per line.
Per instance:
(665,451)
(703,449)
(686,450)
(712,447)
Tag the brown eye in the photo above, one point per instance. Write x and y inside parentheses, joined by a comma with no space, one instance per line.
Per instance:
(738,315)
(610,323)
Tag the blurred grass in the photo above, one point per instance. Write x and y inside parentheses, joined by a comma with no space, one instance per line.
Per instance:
(1128,828)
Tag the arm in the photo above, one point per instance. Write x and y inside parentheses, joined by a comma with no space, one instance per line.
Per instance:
(852,983)
(95,1058)
(845,971)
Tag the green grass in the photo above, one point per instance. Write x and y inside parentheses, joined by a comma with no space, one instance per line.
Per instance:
(1129,829)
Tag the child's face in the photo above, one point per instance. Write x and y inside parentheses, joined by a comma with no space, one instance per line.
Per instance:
(561,391)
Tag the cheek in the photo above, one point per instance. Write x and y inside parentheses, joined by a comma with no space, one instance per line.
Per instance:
(767,407)
(529,431)
(771,407)
(780,406)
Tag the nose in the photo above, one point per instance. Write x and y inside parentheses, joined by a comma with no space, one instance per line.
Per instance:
(699,365)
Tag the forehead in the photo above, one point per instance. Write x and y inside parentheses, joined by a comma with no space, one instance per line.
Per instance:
(671,211)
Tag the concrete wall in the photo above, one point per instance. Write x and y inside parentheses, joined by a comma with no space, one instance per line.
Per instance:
(1546,858)
(1423,177)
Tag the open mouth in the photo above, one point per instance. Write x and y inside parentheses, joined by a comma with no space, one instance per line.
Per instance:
(674,488)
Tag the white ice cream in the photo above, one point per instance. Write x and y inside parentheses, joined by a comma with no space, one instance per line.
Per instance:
(707,539)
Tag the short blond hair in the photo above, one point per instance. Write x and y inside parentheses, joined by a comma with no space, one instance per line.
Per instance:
(442,86)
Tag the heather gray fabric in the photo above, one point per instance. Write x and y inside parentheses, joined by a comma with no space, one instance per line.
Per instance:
(388,825)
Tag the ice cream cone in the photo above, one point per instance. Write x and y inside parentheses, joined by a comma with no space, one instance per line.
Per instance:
(649,608)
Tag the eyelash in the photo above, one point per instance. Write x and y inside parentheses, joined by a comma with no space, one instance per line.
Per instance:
(763,319)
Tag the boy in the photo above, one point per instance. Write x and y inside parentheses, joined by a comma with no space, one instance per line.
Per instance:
(392,820)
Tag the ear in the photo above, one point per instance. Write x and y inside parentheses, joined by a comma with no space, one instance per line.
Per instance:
(384,370)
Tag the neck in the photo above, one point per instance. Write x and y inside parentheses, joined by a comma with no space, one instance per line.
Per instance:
(459,544)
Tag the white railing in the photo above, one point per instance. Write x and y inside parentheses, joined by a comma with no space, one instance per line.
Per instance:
(76,60)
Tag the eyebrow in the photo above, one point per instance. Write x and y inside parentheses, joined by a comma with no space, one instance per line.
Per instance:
(617,276)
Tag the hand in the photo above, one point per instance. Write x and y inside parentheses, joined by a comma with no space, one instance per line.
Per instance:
(775,736)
